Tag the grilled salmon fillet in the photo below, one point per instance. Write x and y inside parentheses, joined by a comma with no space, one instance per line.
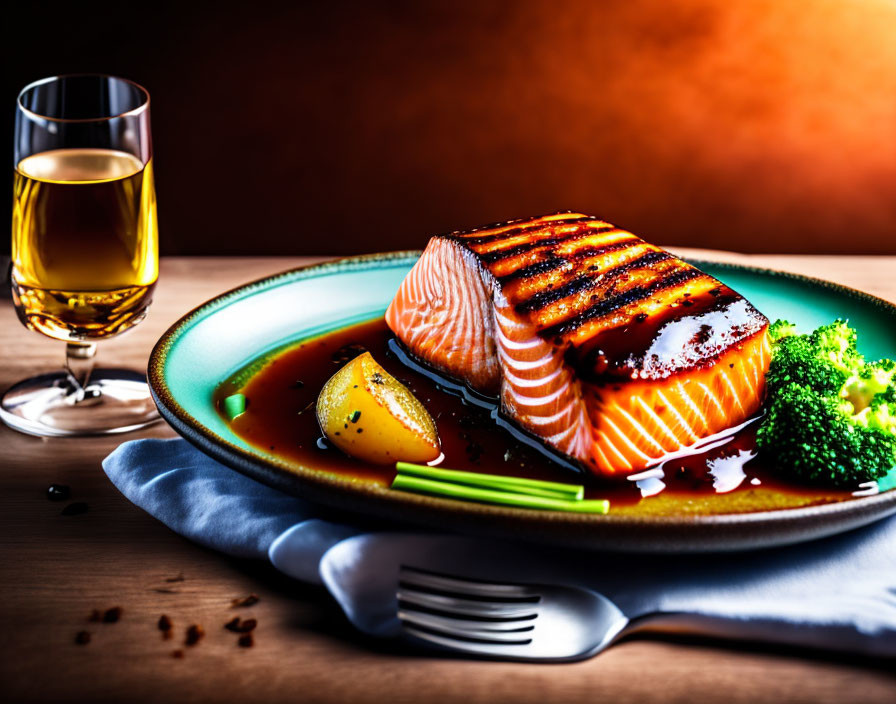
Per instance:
(608,349)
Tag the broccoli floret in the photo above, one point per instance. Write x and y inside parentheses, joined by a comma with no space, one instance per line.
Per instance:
(886,396)
(796,359)
(823,360)
(780,329)
(831,416)
(879,415)
(836,343)
(870,381)
(819,439)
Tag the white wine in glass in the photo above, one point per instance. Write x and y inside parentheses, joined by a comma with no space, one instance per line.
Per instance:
(84,248)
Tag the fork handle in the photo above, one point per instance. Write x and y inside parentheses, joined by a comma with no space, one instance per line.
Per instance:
(842,636)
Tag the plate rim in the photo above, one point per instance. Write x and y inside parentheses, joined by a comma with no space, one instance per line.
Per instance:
(319,484)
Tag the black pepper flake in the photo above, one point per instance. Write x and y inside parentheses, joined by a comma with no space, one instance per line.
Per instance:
(59,492)
(473,449)
(250,600)
(297,384)
(112,615)
(165,625)
(687,303)
(474,419)
(75,509)
(82,637)
(360,430)
(237,625)
(346,353)
(194,634)
(377,378)
(640,317)
(731,366)
(246,641)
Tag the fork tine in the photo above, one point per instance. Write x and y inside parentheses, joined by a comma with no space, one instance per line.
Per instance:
(441,582)
(443,627)
(467,607)
(483,629)
(466,646)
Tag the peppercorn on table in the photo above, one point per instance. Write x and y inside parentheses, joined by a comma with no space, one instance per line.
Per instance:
(107,604)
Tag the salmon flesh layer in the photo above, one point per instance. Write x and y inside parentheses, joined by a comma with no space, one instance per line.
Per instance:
(608,349)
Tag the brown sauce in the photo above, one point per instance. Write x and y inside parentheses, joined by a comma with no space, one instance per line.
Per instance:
(281,389)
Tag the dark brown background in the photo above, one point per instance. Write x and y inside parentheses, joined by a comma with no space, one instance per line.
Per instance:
(766,125)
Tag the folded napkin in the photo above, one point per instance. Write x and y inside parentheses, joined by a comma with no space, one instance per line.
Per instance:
(838,593)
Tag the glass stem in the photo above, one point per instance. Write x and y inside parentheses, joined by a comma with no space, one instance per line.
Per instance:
(79,359)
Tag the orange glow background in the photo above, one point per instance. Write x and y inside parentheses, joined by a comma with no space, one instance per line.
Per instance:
(759,126)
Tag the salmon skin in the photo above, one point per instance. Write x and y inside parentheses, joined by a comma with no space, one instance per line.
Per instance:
(608,349)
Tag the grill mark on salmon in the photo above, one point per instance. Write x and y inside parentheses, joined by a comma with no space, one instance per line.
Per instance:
(473,239)
(587,282)
(612,303)
(550,263)
(610,350)
(553,261)
(496,255)
(584,253)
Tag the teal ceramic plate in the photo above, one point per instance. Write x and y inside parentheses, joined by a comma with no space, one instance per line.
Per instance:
(212,342)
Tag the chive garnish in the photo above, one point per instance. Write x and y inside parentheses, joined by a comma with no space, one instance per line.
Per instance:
(234,405)
(518,485)
(404,482)
(354,416)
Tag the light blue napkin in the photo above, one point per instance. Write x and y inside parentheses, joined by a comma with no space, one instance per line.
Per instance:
(838,593)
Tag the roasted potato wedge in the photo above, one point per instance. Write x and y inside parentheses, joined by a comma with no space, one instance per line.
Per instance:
(368,414)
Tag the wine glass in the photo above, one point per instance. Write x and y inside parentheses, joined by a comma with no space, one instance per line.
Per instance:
(84,248)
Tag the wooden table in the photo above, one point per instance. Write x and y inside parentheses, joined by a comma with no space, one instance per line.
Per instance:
(56,569)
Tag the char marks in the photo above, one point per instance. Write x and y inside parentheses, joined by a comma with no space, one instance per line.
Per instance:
(493,256)
(474,239)
(612,303)
(553,261)
(579,280)
(543,266)
(586,282)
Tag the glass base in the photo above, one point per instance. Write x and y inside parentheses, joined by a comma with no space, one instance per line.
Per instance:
(51,405)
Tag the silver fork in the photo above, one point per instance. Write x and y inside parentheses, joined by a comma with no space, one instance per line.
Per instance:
(507,621)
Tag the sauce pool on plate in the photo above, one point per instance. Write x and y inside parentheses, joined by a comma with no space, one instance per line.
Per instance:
(281,391)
